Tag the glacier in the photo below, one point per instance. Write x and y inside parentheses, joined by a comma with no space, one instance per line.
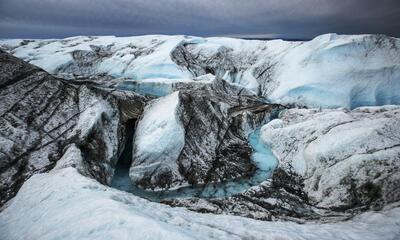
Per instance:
(329,71)
(184,137)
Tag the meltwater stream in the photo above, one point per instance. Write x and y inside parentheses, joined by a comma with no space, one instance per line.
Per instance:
(262,157)
(158,89)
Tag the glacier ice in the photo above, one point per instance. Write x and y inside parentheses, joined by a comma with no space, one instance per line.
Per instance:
(317,175)
(346,158)
(160,138)
(341,71)
(328,71)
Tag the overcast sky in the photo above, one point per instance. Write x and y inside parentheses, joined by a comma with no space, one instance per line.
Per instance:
(251,18)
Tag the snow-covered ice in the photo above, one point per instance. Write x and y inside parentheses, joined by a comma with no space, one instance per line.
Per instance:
(340,153)
(139,58)
(340,71)
(66,205)
(347,158)
(328,71)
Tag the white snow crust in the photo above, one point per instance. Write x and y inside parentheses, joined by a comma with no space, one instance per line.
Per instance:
(66,205)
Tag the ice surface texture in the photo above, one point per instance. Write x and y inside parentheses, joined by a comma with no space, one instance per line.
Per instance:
(347,159)
(41,115)
(328,71)
(66,205)
(159,139)
(318,177)
(197,136)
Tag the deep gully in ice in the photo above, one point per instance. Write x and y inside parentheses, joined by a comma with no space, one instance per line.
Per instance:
(262,157)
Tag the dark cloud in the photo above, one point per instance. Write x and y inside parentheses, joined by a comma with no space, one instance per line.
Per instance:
(290,19)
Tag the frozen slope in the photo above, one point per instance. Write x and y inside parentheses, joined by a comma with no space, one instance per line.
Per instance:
(328,71)
(63,204)
(335,70)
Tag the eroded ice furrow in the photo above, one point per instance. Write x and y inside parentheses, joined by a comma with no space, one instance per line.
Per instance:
(262,158)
